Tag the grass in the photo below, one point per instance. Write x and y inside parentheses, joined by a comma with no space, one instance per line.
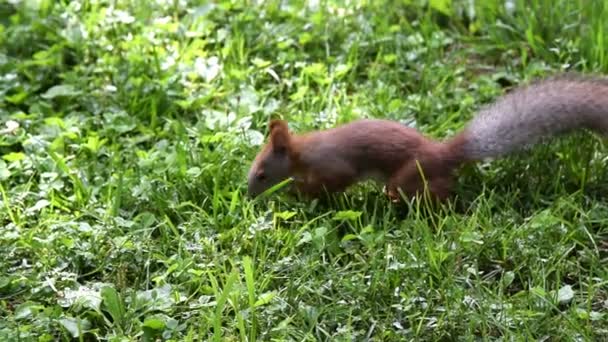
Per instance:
(123,187)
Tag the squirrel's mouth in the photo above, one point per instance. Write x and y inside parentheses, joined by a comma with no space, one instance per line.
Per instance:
(254,191)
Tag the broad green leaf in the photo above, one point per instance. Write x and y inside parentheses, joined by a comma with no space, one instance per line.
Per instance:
(341,70)
(113,303)
(156,322)
(13,156)
(285,215)
(265,298)
(349,237)
(41,204)
(83,296)
(443,6)
(253,137)
(5,173)
(508,278)
(17,98)
(75,326)
(260,63)
(471,236)
(26,310)
(349,215)
(157,298)
(65,90)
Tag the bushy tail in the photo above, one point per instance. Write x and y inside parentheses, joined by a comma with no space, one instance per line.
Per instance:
(528,114)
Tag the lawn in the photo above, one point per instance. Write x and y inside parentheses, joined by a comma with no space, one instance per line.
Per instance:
(127,129)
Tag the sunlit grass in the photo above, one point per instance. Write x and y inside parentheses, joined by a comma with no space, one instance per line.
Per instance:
(127,132)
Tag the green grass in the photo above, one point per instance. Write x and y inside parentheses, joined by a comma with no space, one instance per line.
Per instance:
(123,206)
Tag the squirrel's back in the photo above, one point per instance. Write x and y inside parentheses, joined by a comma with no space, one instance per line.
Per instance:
(528,114)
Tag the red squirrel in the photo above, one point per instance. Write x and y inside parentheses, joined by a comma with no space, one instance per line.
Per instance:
(405,160)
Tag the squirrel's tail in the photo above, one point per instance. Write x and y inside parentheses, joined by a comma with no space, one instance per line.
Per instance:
(528,114)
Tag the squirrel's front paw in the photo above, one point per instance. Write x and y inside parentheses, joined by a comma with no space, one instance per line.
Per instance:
(392,194)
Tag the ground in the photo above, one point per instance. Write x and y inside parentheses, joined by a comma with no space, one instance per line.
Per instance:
(126,132)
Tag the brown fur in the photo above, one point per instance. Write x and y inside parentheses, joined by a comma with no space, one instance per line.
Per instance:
(334,159)
(401,157)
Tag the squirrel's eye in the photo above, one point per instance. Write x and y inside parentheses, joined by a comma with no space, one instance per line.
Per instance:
(261,176)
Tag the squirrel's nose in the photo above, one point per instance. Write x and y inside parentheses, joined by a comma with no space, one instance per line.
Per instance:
(251,194)
(251,185)
(252,190)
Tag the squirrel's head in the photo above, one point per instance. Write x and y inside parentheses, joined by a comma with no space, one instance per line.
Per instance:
(273,164)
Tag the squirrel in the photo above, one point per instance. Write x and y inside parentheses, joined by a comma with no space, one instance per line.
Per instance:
(410,163)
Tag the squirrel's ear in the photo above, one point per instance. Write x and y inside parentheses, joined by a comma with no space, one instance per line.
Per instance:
(279,136)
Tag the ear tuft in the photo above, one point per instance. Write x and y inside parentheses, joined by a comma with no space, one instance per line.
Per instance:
(279,136)
(276,123)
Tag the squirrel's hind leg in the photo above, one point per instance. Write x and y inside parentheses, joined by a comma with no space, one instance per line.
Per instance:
(406,180)
(409,180)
